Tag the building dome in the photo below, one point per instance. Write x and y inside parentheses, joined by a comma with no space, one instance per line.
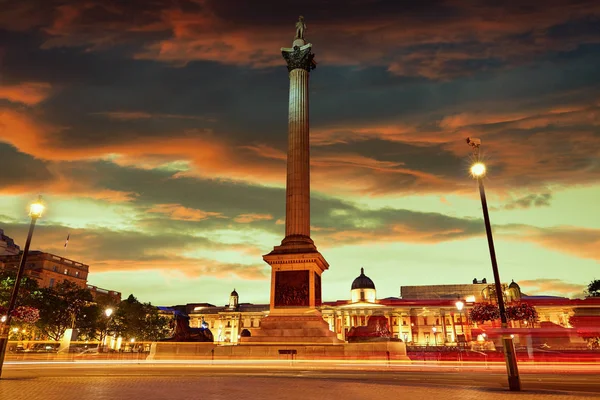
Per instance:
(234,293)
(363,281)
(514,285)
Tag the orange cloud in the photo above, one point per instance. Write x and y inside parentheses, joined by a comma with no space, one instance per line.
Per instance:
(579,242)
(247,218)
(187,267)
(106,250)
(29,93)
(347,172)
(211,155)
(180,213)
(551,287)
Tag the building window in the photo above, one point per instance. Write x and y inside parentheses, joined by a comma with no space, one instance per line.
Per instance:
(66,271)
(55,268)
(77,274)
(51,282)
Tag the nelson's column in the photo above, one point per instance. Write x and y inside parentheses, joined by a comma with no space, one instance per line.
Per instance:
(296,265)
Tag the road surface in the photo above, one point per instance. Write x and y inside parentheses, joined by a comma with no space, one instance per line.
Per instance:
(281,380)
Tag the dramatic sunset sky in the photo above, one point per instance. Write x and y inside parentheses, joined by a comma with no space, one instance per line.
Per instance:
(156,132)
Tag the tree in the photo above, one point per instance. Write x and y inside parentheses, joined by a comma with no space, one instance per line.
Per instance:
(60,308)
(484,312)
(514,312)
(139,321)
(29,290)
(522,312)
(593,289)
(24,316)
(90,323)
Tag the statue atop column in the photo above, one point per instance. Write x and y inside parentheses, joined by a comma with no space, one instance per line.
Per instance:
(300,54)
(300,28)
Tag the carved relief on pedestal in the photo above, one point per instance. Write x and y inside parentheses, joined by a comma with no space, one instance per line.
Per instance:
(292,289)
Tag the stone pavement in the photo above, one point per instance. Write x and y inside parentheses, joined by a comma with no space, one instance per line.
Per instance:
(149,387)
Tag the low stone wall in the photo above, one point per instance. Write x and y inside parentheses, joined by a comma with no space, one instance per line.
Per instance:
(344,351)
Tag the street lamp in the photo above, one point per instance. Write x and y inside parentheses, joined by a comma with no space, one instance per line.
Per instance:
(434,329)
(104,333)
(36,210)
(459,306)
(478,171)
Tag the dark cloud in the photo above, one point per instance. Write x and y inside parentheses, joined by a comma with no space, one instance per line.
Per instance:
(531,200)
(22,172)
(110,250)
(178,109)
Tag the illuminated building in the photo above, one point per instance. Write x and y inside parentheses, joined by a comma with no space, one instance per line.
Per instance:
(104,296)
(7,245)
(424,315)
(49,269)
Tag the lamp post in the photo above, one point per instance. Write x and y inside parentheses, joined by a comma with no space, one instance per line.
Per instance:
(108,312)
(434,329)
(35,211)
(459,306)
(478,171)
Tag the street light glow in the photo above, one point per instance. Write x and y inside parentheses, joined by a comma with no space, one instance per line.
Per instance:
(36,209)
(478,169)
(108,312)
(459,305)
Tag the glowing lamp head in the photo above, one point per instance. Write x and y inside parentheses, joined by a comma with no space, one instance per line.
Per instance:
(3,319)
(434,329)
(132,340)
(478,169)
(108,312)
(36,209)
(459,305)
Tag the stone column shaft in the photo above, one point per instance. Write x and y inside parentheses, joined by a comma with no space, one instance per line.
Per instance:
(297,221)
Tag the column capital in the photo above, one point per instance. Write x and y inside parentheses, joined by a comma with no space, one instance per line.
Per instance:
(299,57)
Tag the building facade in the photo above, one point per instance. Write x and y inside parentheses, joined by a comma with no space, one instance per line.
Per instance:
(7,245)
(104,296)
(424,315)
(48,269)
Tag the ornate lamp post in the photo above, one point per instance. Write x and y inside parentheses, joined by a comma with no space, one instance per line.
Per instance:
(459,306)
(35,211)
(478,171)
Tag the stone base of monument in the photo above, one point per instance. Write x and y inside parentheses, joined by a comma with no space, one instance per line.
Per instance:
(305,329)
(384,351)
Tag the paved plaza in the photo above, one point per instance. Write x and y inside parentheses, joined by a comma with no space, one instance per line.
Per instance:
(148,382)
(230,387)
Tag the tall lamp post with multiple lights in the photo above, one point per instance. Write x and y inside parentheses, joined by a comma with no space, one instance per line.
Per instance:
(478,171)
(459,306)
(35,211)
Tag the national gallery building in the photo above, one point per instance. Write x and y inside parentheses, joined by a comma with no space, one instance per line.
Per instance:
(423,315)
